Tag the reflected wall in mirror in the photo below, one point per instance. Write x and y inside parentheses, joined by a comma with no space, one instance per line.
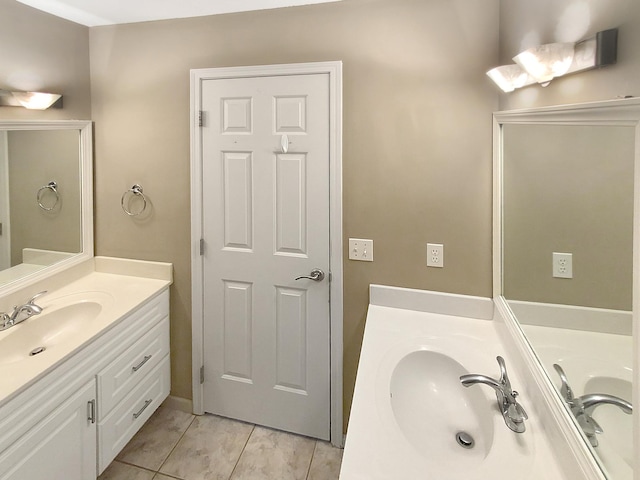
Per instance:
(46,201)
(567,260)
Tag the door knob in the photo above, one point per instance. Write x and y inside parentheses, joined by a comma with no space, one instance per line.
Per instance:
(316,275)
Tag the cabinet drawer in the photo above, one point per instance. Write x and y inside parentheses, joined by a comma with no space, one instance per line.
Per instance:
(128,416)
(121,375)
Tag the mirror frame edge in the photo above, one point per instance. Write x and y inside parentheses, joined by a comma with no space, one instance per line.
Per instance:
(85,128)
(612,112)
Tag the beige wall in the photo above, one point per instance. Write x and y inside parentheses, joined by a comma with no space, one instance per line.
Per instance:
(417,139)
(569,189)
(35,159)
(526,23)
(40,52)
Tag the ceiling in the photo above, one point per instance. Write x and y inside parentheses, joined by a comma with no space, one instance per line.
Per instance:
(93,13)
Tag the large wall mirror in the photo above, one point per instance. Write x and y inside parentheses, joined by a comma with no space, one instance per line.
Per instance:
(46,202)
(568,268)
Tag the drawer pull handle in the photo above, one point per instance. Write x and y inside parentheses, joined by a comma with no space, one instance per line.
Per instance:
(139,366)
(91,411)
(146,404)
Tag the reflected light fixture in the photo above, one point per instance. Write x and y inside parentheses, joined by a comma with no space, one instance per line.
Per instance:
(544,63)
(30,100)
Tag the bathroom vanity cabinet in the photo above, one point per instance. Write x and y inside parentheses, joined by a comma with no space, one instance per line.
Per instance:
(72,421)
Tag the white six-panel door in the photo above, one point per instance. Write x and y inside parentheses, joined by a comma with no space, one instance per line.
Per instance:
(265,193)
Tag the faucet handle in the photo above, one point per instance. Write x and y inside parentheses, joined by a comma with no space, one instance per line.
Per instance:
(504,378)
(515,410)
(565,389)
(589,424)
(39,294)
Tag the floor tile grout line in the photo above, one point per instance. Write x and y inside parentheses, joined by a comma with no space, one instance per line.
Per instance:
(193,419)
(253,427)
(130,464)
(315,447)
(165,475)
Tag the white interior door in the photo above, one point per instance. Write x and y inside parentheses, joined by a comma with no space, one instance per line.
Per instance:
(265,192)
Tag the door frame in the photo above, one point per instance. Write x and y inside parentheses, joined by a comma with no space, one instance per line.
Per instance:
(334,72)
(5,218)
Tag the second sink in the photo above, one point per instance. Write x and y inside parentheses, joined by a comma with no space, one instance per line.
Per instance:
(432,408)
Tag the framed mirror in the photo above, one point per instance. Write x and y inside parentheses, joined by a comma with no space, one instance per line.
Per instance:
(46,199)
(566,260)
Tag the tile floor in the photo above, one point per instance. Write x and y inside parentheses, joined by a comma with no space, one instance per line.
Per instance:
(177,445)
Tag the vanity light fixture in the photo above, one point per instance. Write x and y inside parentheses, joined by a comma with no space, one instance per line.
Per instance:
(510,77)
(30,100)
(544,63)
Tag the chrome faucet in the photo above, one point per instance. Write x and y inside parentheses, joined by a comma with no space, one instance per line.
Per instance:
(582,407)
(21,313)
(512,412)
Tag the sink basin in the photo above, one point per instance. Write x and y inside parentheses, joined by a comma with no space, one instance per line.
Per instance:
(615,442)
(61,321)
(430,417)
(595,363)
(432,407)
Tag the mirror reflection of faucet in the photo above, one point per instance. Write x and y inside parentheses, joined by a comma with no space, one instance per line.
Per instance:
(512,412)
(582,407)
(21,313)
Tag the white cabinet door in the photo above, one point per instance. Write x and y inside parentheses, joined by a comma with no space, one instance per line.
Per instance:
(61,447)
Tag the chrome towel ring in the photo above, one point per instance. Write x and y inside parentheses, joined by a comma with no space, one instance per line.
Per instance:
(53,186)
(136,191)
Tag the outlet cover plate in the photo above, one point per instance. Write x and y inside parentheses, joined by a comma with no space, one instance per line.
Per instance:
(435,255)
(562,265)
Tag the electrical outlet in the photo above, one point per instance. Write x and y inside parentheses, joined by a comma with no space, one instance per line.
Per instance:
(361,249)
(562,265)
(435,255)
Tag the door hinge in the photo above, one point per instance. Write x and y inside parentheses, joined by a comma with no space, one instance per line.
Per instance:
(201,246)
(202,374)
(200,118)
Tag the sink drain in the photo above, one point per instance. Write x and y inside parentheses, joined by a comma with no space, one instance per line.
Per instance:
(36,351)
(465,440)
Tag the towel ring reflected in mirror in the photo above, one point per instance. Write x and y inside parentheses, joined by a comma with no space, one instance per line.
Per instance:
(133,192)
(53,187)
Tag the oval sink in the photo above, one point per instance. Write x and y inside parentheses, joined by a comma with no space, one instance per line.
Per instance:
(431,407)
(46,330)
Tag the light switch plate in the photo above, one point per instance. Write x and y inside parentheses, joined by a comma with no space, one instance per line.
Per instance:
(361,249)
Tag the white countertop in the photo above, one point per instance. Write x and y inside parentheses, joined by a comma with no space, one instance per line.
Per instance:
(377,449)
(118,293)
